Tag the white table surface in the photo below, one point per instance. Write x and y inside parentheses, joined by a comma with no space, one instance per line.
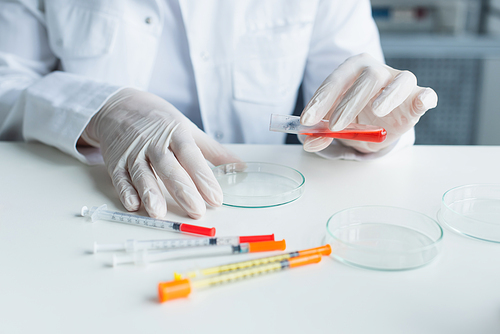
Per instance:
(50,283)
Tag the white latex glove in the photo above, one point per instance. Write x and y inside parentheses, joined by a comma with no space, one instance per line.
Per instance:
(366,91)
(141,134)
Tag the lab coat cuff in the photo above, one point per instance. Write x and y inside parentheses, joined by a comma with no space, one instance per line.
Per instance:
(59,107)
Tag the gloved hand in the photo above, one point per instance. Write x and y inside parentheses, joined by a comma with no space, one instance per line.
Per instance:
(145,140)
(363,90)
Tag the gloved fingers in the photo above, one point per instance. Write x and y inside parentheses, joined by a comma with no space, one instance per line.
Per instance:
(328,96)
(398,121)
(126,191)
(316,143)
(425,99)
(330,92)
(367,85)
(394,94)
(324,99)
(177,181)
(192,160)
(409,112)
(146,185)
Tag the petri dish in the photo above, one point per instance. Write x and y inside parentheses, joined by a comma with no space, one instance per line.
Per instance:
(473,210)
(258,184)
(383,237)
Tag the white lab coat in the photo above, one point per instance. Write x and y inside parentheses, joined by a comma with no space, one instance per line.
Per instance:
(249,60)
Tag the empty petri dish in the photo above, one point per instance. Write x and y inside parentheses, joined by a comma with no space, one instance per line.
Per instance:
(383,237)
(258,184)
(473,210)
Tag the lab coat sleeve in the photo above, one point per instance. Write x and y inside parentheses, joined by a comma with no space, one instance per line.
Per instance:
(36,103)
(343,29)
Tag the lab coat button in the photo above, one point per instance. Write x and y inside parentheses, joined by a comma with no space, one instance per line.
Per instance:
(218,135)
(148,20)
(205,55)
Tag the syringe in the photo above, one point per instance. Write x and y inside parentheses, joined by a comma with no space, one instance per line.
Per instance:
(132,245)
(360,132)
(100,213)
(182,288)
(144,257)
(218,270)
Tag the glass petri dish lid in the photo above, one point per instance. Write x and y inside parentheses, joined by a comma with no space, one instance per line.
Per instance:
(473,210)
(383,237)
(258,184)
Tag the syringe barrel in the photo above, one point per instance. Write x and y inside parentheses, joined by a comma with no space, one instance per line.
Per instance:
(132,245)
(135,220)
(218,270)
(182,288)
(175,243)
(255,271)
(238,275)
(189,252)
(144,257)
(100,213)
(180,243)
(228,240)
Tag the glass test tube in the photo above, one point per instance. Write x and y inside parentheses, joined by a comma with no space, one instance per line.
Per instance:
(100,213)
(182,288)
(359,132)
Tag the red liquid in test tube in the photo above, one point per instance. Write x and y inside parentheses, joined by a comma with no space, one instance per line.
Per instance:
(374,136)
(354,131)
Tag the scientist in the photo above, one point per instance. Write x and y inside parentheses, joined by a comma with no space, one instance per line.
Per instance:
(153,87)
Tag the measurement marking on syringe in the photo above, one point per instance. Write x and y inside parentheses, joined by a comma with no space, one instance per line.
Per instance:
(100,213)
